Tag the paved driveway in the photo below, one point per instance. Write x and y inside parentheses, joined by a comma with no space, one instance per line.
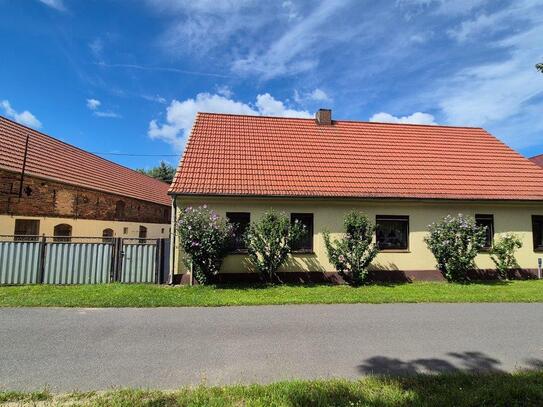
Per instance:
(81,349)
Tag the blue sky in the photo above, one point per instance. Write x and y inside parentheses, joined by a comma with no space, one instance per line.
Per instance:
(128,76)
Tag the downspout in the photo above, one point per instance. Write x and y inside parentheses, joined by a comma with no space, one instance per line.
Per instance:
(173,234)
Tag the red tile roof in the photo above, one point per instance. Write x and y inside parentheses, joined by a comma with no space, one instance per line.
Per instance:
(56,160)
(538,160)
(272,156)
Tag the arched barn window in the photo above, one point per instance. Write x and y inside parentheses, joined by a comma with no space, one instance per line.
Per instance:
(107,235)
(62,233)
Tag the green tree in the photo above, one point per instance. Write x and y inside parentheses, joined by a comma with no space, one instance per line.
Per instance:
(503,254)
(353,253)
(269,241)
(163,172)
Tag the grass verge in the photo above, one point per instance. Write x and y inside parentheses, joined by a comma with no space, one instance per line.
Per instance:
(459,389)
(148,295)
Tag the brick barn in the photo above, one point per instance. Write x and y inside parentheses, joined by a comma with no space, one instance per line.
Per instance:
(63,191)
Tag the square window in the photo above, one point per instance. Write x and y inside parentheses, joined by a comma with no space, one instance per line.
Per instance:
(392,232)
(27,227)
(305,243)
(125,231)
(241,221)
(488,222)
(537,232)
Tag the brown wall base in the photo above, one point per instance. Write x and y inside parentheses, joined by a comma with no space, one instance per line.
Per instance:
(396,276)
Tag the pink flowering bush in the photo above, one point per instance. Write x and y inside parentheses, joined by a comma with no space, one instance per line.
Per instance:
(204,237)
(455,241)
(352,254)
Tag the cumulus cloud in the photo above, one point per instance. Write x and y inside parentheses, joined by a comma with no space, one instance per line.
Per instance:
(180,114)
(25,117)
(317,95)
(415,118)
(56,4)
(93,104)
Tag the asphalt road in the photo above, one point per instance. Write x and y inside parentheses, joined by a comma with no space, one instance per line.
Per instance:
(84,349)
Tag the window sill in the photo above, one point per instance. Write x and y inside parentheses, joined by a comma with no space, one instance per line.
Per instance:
(538,250)
(307,251)
(394,251)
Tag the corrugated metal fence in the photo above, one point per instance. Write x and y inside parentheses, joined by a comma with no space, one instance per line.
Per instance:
(49,260)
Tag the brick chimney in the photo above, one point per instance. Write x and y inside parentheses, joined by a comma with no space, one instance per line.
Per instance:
(324,117)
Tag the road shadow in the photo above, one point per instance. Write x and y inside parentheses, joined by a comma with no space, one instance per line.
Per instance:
(459,362)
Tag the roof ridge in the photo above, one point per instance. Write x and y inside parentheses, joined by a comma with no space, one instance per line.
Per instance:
(335,120)
(79,148)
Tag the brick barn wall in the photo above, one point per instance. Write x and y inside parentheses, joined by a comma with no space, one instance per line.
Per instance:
(42,197)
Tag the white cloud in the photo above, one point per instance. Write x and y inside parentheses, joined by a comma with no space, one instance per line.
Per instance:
(225,91)
(93,104)
(415,118)
(492,92)
(180,115)
(56,4)
(486,24)
(290,9)
(317,95)
(269,106)
(108,114)
(25,117)
(295,51)
(445,7)
(97,47)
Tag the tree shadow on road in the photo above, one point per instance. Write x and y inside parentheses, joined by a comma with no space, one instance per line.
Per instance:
(466,362)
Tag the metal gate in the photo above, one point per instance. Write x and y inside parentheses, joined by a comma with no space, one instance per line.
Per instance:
(140,262)
(82,260)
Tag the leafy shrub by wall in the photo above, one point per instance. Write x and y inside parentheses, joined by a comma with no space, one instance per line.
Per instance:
(455,241)
(269,241)
(352,254)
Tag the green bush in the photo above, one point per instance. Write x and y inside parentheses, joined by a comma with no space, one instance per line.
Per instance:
(352,254)
(503,254)
(204,237)
(455,241)
(269,242)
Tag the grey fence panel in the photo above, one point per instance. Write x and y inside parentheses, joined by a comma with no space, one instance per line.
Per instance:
(19,262)
(77,263)
(139,263)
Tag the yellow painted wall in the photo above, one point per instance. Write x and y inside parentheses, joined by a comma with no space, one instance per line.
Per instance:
(328,215)
(87,227)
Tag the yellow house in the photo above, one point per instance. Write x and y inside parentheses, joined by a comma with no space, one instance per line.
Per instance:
(51,188)
(402,176)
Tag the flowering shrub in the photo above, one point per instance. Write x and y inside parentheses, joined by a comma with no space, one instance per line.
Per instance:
(455,241)
(352,254)
(204,237)
(269,242)
(503,254)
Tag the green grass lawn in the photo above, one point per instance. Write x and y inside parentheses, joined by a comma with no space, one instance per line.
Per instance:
(460,389)
(147,295)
